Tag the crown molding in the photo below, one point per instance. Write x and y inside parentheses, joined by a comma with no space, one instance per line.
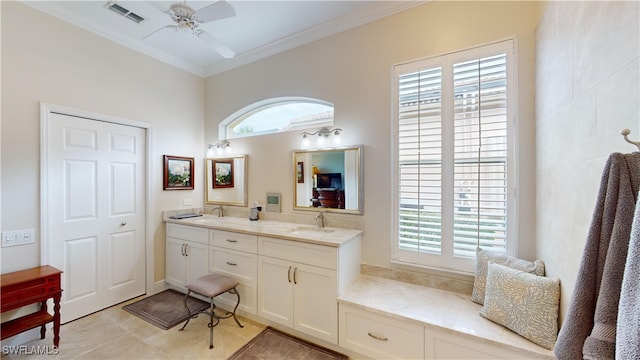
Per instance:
(318,32)
(133,44)
(384,9)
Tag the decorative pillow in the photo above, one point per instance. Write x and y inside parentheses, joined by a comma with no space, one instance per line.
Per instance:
(482,259)
(525,303)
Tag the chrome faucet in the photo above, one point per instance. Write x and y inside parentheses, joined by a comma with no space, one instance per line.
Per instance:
(320,219)
(219,208)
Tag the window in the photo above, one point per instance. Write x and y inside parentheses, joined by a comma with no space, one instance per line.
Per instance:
(453,157)
(277,115)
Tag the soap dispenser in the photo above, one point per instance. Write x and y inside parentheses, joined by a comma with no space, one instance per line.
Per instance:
(254,211)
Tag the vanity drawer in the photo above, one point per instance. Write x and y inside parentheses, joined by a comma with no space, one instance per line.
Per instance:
(190,233)
(234,241)
(239,265)
(379,337)
(311,254)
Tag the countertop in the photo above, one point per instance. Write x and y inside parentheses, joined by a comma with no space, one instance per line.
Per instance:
(328,236)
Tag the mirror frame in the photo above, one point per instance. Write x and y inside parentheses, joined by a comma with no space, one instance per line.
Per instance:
(208,163)
(359,166)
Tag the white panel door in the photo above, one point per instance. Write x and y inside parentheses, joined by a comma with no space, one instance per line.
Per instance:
(96,175)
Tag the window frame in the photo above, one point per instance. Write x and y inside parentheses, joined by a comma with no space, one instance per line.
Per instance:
(445,260)
(243,113)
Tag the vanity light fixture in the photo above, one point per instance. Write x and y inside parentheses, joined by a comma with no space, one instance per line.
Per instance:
(223,146)
(322,135)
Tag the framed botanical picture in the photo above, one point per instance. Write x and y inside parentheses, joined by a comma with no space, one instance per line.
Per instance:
(300,172)
(222,173)
(178,173)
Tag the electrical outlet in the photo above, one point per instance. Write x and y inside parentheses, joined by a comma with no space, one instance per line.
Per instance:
(27,236)
(18,237)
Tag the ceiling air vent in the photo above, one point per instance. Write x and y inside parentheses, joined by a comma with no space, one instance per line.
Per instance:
(121,10)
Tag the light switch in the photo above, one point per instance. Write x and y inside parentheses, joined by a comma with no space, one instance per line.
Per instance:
(18,237)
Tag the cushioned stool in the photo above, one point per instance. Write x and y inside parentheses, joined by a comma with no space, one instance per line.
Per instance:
(211,286)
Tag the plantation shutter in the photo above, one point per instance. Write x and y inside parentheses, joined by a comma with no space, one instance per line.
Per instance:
(452,152)
(420,160)
(480,155)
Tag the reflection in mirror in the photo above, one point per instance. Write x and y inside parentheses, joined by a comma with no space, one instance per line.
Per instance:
(329,179)
(226,180)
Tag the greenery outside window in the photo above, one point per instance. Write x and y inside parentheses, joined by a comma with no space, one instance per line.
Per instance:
(453,157)
(277,115)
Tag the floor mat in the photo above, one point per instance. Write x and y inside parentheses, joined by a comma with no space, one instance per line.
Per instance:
(165,309)
(275,345)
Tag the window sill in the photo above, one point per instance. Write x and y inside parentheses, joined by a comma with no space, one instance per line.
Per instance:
(461,283)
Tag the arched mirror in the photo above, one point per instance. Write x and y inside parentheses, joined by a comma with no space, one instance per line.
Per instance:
(329,179)
(226,180)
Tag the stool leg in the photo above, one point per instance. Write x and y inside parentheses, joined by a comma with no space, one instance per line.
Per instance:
(235,291)
(188,311)
(211,324)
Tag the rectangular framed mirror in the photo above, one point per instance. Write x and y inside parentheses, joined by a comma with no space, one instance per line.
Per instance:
(226,181)
(329,179)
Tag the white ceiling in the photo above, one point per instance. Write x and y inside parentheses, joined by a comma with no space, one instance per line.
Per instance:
(259,29)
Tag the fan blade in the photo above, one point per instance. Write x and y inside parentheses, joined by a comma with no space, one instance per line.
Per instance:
(216,11)
(151,36)
(221,48)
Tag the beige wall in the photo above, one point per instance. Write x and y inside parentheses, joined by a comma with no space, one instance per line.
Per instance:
(587,90)
(587,84)
(47,60)
(353,71)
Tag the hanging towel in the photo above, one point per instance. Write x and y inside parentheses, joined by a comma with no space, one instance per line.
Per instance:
(628,329)
(593,310)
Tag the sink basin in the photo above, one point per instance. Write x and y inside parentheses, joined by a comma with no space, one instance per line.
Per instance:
(311,230)
(214,220)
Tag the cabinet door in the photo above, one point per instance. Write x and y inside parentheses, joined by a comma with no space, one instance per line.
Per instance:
(197,260)
(275,290)
(315,302)
(175,272)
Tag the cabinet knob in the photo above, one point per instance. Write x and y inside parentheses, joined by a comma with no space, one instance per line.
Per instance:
(289,274)
(123,223)
(231,264)
(232,241)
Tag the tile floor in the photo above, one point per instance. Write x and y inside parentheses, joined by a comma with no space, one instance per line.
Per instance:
(116,334)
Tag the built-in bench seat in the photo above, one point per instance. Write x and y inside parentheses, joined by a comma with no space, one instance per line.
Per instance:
(380,317)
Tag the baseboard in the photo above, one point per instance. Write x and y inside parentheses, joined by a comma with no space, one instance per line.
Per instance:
(159,286)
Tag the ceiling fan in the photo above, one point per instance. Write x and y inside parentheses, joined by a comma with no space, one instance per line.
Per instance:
(187,19)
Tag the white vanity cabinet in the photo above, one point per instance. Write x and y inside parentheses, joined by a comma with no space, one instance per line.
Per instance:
(288,274)
(299,283)
(235,255)
(187,252)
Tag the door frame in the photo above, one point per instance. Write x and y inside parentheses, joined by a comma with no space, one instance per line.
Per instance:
(47,109)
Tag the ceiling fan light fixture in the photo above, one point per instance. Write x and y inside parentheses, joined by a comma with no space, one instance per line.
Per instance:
(183,15)
(187,19)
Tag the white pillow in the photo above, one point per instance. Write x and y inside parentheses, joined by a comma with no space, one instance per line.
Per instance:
(482,260)
(525,303)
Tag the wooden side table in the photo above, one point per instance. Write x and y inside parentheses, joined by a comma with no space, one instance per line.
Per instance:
(26,287)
